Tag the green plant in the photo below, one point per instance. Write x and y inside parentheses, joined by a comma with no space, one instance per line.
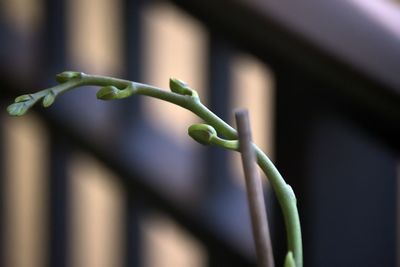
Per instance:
(207,134)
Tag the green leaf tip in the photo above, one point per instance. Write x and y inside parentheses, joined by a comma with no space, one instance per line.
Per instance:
(68,75)
(107,92)
(202,133)
(111,92)
(23,98)
(17,109)
(48,100)
(289,260)
(21,105)
(182,88)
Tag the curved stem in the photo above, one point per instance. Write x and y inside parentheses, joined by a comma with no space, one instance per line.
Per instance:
(119,88)
(287,201)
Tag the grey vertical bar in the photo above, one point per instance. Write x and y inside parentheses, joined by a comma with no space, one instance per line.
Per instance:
(133,55)
(217,159)
(54,37)
(132,234)
(219,73)
(291,126)
(133,42)
(59,202)
(54,56)
(344,178)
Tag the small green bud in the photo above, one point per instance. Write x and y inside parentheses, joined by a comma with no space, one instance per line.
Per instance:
(108,92)
(180,87)
(17,109)
(202,133)
(127,92)
(23,98)
(48,100)
(289,260)
(67,75)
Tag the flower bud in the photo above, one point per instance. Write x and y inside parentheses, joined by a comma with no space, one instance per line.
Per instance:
(180,87)
(23,98)
(67,75)
(202,133)
(48,100)
(18,109)
(107,92)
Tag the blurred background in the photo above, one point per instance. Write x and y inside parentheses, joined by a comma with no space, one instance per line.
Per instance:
(93,183)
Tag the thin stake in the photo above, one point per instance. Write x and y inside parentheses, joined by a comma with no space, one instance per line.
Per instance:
(255,194)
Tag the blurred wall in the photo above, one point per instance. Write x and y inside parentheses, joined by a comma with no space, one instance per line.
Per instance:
(175,45)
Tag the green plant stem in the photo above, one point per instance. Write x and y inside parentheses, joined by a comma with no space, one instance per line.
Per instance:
(283,191)
(287,201)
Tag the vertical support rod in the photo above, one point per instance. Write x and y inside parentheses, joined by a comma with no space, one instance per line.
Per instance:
(255,194)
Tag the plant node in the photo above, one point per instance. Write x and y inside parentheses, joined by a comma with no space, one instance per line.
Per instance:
(68,75)
(182,88)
